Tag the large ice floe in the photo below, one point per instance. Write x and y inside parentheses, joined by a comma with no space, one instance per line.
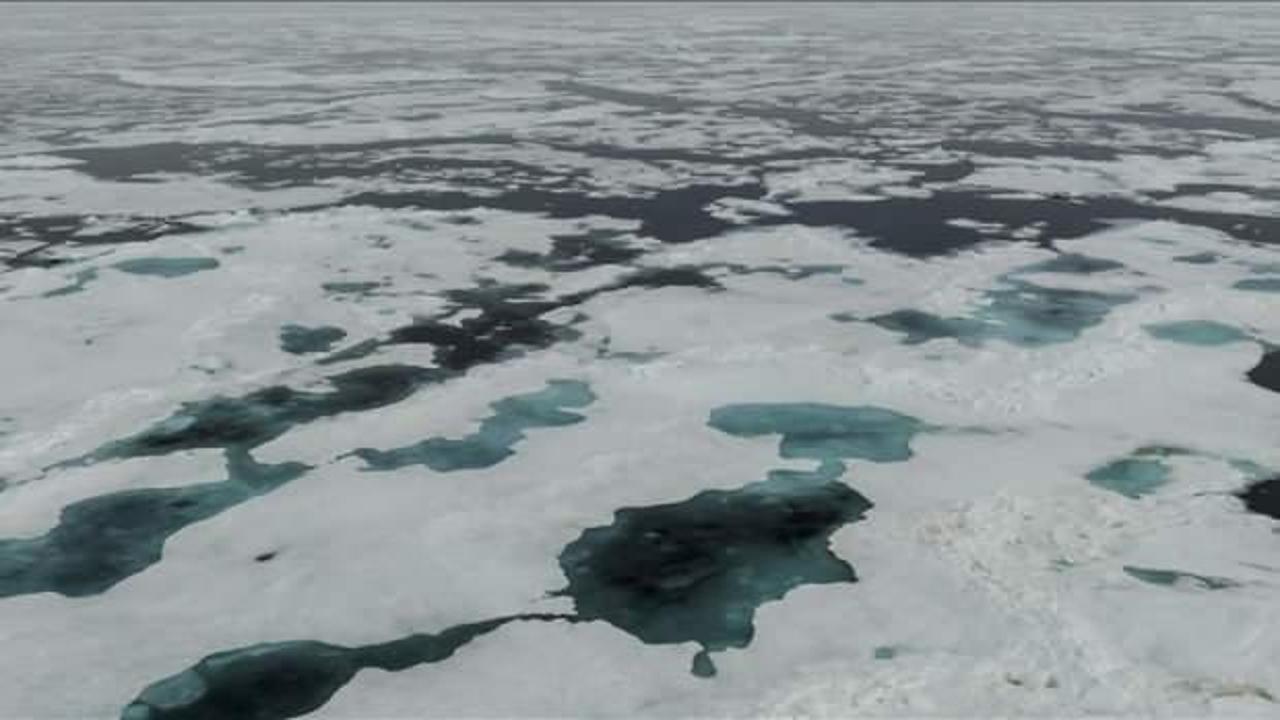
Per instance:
(645,361)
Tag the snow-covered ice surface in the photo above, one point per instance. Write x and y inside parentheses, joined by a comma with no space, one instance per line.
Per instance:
(639,360)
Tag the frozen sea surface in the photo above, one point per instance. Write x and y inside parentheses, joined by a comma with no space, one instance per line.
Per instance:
(660,360)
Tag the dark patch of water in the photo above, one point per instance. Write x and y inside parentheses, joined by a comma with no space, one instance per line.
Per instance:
(949,172)
(262,165)
(1027,150)
(300,340)
(508,323)
(1266,374)
(803,121)
(35,256)
(351,287)
(696,570)
(248,421)
(1073,264)
(577,251)
(885,652)
(653,278)
(102,540)
(919,226)
(673,215)
(1166,116)
(802,271)
(1203,258)
(1194,189)
(1262,497)
(500,331)
(125,163)
(1169,578)
(1253,102)
(654,101)
(1262,284)
(687,155)
(85,230)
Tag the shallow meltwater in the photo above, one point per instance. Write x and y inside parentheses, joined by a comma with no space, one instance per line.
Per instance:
(79,281)
(1021,313)
(692,571)
(1145,470)
(1201,258)
(102,540)
(823,432)
(1196,332)
(166,267)
(301,340)
(696,570)
(1259,284)
(1132,477)
(261,416)
(288,679)
(497,435)
(1171,578)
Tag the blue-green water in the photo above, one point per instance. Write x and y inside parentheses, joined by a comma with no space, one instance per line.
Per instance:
(497,436)
(1019,313)
(281,680)
(79,281)
(823,432)
(1196,332)
(301,340)
(1131,477)
(102,540)
(690,571)
(166,267)
(697,570)
(1170,578)
(884,652)
(1261,284)
(263,415)
(1139,474)
(351,287)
